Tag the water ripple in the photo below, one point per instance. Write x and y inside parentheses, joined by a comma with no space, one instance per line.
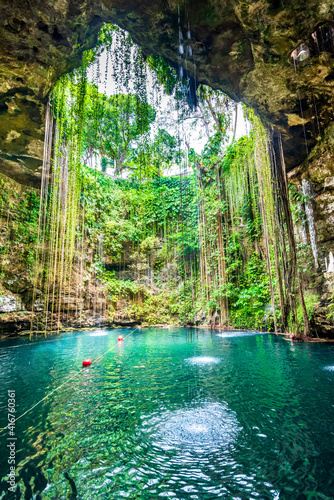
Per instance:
(202,360)
(98,334)
(228,335)
(173,413)
(204,429)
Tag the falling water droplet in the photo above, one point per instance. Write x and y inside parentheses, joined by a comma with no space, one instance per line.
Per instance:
(302,226)
(307,190)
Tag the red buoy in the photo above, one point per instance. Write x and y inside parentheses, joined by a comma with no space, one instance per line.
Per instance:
(86,362)
(120,338)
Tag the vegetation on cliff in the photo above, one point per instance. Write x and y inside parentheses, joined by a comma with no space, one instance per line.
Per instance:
(134,225)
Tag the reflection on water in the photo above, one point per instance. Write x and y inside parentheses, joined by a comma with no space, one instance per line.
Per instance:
(171,413)
(99,334)
(237,334)
(202,360)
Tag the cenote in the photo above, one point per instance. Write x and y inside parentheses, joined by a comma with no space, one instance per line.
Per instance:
(176,413)
(166,250)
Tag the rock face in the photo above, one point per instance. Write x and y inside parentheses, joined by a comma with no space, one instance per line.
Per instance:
(10,303)
(243,48)
(318,170)
(323,315)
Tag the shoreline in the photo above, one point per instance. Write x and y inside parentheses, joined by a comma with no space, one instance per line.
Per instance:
(39,333)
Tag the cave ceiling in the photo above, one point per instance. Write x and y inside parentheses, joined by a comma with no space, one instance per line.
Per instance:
(241,47)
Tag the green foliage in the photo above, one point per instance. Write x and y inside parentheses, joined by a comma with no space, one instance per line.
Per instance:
(165,73)
(297,202)
(106,36)
(330,315)
(311,301)
(21,212)
(128,211)
(172,248)
(162,308)
(249,301)
(111,126)
(159,155)
(116,287)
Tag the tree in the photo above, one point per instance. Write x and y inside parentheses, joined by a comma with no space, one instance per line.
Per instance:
(159,155)
(113,126)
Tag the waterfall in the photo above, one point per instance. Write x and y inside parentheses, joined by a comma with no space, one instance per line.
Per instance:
(307,191)
(330,264)
(185,60)
(302,226)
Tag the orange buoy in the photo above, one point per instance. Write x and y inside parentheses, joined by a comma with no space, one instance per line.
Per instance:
(120,338)
(86,362)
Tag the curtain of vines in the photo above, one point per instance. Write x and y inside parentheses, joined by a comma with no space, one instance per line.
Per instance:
(61,249)
(229,247)
(245,221)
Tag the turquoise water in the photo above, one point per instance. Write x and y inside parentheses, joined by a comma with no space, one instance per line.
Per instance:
(179,413)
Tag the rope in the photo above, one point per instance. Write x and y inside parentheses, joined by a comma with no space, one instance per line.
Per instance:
(2,429)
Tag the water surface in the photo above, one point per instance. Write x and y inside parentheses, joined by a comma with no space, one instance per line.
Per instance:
(179,413)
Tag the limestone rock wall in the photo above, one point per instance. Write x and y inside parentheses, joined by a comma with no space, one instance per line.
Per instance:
(243,48)
(318,170)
